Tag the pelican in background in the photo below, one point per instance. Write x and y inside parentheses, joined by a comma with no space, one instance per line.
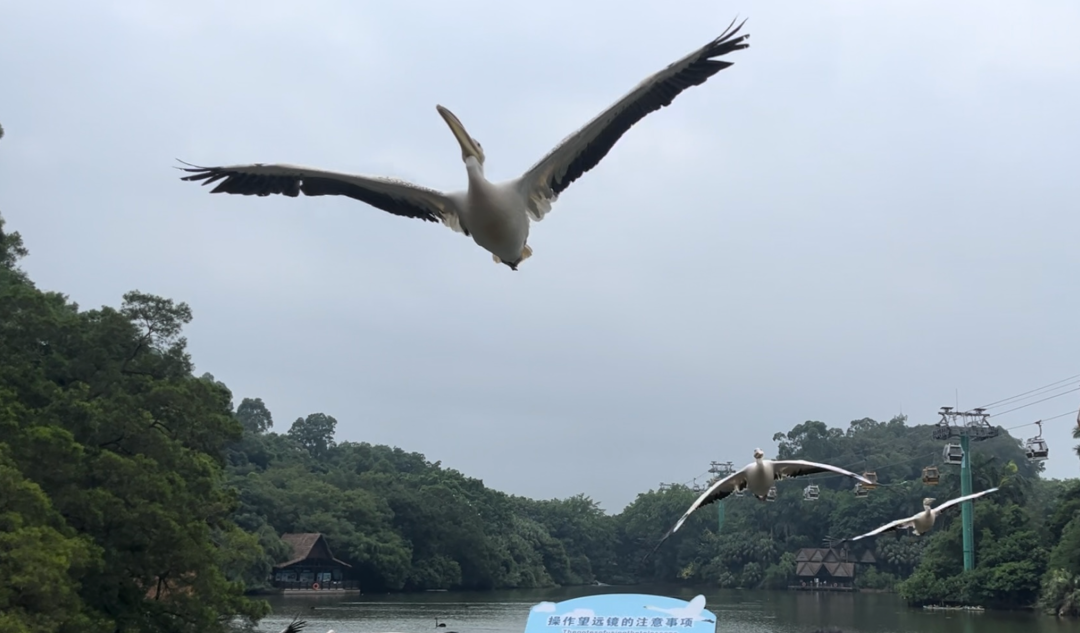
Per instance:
(757,476)
(496,215)
(922,522)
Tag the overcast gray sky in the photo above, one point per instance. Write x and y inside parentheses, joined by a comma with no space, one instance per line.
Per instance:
(874,208)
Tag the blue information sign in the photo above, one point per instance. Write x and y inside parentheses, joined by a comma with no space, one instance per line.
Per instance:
(622,613)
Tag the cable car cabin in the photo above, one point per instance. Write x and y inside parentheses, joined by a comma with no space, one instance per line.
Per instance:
(930,476)
(953,454)
(860,491)
(1037,449)
(872,476)
(771,496)
(739,493)
(810,493)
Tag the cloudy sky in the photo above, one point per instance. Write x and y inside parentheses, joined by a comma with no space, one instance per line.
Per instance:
(873,212)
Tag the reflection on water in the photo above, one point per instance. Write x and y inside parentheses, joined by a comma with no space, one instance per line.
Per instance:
(737,612)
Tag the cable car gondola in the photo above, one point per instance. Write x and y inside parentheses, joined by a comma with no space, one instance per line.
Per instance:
(771,495)
(872,476)
(1037,450)
(953,454)
(930,476)
(861,491)
(811,492)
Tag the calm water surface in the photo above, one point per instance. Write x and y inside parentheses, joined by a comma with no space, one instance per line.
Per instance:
(737,612)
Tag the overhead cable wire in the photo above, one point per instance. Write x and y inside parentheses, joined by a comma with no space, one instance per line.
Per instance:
(1054,417)
(1033,391)
(1074,389)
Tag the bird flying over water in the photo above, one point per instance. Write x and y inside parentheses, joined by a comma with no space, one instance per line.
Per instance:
(497,215)
(757,476)
(922,522)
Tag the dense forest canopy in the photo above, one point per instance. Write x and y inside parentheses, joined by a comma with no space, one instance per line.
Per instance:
(140,497)
(114,515)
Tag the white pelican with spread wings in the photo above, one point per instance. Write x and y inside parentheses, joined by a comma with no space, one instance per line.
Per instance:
(757,477)
(497,215)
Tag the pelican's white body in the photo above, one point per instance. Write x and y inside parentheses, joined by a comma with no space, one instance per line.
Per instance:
(495,214)
(760,476)
(922,522)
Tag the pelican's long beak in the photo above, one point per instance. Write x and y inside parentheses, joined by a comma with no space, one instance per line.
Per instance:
(469,146)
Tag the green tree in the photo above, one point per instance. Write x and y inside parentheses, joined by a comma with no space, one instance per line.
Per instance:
(11,251)
(1066,553)
(255,417)
(315,433)
(117,449)
(41,560)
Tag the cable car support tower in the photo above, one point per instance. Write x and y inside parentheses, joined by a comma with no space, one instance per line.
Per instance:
(968,426)
(720,470)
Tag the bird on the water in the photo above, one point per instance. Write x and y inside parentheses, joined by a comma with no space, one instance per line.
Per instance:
(757,477)
(496,215)
(922,522)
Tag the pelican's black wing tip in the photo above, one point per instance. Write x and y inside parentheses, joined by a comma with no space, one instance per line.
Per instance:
(190,167)
(296,625)
(730,32)
(727,42)
(197,172)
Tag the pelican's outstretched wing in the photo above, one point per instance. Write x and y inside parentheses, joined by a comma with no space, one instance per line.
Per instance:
(785,468)
(295,626)
(895,525)
(952,502)
(393,196)
(715,492)
(584,149)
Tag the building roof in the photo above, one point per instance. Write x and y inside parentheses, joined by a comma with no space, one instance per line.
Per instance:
(834,570)
(820,555)
(811,561)
(308,545)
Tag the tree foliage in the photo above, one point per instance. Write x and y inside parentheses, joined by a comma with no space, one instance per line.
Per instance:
(114,515)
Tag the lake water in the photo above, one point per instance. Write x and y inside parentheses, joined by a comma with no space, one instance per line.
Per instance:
(737,612)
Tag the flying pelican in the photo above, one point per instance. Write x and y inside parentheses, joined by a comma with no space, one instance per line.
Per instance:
(922,522)
(757,476)
(496,215)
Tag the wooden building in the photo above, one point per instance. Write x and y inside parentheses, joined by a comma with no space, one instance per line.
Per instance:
(312,566)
